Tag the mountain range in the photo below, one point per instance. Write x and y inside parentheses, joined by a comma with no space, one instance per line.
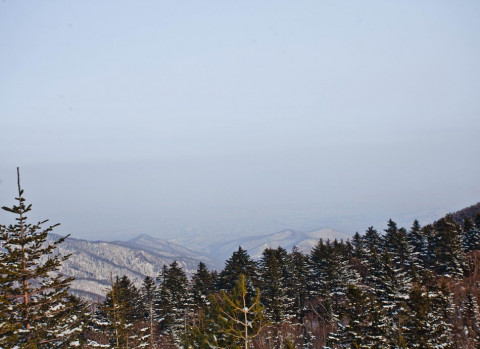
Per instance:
(92,263)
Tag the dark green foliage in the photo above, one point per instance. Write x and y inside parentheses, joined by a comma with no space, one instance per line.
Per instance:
(275,280)
(231,321)
(298,287)
(34,295)
(239,263)
(471,236)
(447,247)
(122,309)
(428,325)
(174,302)
(203,286)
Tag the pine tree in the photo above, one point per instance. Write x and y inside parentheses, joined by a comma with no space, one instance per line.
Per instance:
(33,291)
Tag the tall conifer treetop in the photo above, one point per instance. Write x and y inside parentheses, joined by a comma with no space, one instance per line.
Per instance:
(37,294)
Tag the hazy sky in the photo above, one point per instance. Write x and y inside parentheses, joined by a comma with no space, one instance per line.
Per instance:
(238,117)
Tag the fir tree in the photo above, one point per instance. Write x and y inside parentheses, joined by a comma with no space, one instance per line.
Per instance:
(149,291)
(396,242)
(298,287)
(429,325)
(239,263)
(319,259)
(419,254)
(203,285)
(175,301)
(471,236)
(447,247)
(274,278)
(470,320)
(359,255)
(121,316)
(34,293)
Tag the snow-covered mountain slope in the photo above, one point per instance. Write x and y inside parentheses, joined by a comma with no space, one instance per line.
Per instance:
(255,245)
(91,262)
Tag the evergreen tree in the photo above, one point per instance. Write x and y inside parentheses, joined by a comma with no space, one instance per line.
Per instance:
(470,320)
(274,277)
(319,259)
(121,316)
(239,263)
(396,242)
(359,255)
(447,247)
(365,324)
(372,240)
(471,236)
(429,325)
(298,287)
(34,298)
(419,254)
(149,291)
(175,301)
(232,322)
(203,285)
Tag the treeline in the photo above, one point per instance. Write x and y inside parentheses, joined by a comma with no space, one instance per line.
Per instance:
(415,288)
(400,288)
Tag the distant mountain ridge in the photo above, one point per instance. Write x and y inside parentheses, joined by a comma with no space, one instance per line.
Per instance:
(91,262)
(255,245)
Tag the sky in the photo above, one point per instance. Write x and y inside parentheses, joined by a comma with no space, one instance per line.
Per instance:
(184,119)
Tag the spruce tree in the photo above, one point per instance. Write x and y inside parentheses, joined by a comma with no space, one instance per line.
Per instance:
(418,243)
(470,320)
(448,254)
(148,293)
(174,304)
(40,312)
(239,263)
(274,278)
(298,287)
(319,259)
(203,285)
(471,236)
(353,333)
(121,316)
(429,324)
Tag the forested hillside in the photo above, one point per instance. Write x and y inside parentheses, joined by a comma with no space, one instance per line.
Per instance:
(400,288)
